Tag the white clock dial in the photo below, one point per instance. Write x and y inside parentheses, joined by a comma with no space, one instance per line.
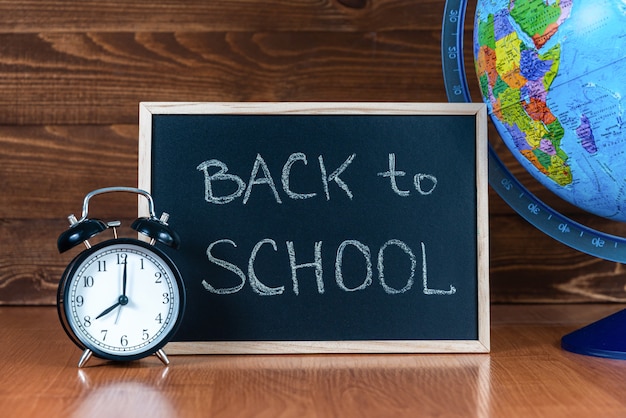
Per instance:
(122,299)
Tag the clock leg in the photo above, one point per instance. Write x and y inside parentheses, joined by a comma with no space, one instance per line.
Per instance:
(163,357)
(84,358)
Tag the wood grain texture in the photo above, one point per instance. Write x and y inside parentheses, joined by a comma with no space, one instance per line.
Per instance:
(45,171)
(72,74)
(42,73)
(35,16)
(526,375)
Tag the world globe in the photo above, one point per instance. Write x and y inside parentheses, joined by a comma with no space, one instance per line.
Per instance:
(553,76)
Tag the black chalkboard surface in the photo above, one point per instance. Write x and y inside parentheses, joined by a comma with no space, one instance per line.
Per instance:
(335,227)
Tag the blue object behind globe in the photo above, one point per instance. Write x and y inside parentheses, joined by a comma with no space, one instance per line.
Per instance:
(553,76)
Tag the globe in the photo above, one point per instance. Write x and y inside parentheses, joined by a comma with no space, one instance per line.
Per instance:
(553,76)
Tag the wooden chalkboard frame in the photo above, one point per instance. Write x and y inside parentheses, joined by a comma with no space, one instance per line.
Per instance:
(480,345)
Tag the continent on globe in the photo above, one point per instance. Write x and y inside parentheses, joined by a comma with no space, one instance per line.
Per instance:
(515,78)
(540,19)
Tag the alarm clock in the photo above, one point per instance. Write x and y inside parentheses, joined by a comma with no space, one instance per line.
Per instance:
(123,298)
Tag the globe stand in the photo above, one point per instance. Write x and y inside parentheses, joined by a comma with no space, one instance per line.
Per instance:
(606,337)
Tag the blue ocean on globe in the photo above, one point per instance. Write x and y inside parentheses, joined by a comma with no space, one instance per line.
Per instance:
(553,76)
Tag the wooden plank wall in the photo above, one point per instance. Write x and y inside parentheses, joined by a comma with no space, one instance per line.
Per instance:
(72,73)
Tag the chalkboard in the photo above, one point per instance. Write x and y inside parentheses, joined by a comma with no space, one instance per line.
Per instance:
(324,227)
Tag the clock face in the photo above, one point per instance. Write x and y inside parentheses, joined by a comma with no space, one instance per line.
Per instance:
(122,299)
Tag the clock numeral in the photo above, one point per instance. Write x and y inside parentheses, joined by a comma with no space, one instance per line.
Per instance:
(145,335)
(124,340)
(141,267)
(121,258)
(166,298)
(102,265)
(158,276)
(87,321)
(104,333)
(159,319)
(88,281)
(79,301)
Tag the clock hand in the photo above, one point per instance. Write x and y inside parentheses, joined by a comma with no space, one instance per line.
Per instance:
(123,300)
(117,318)
(124,278)
(109,309)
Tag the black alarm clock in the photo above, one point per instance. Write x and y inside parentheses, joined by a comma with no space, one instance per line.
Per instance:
(121,299)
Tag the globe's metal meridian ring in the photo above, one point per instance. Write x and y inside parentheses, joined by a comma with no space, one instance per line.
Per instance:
(547,220)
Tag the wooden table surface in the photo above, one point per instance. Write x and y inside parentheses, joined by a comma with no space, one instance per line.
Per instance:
(526,375)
